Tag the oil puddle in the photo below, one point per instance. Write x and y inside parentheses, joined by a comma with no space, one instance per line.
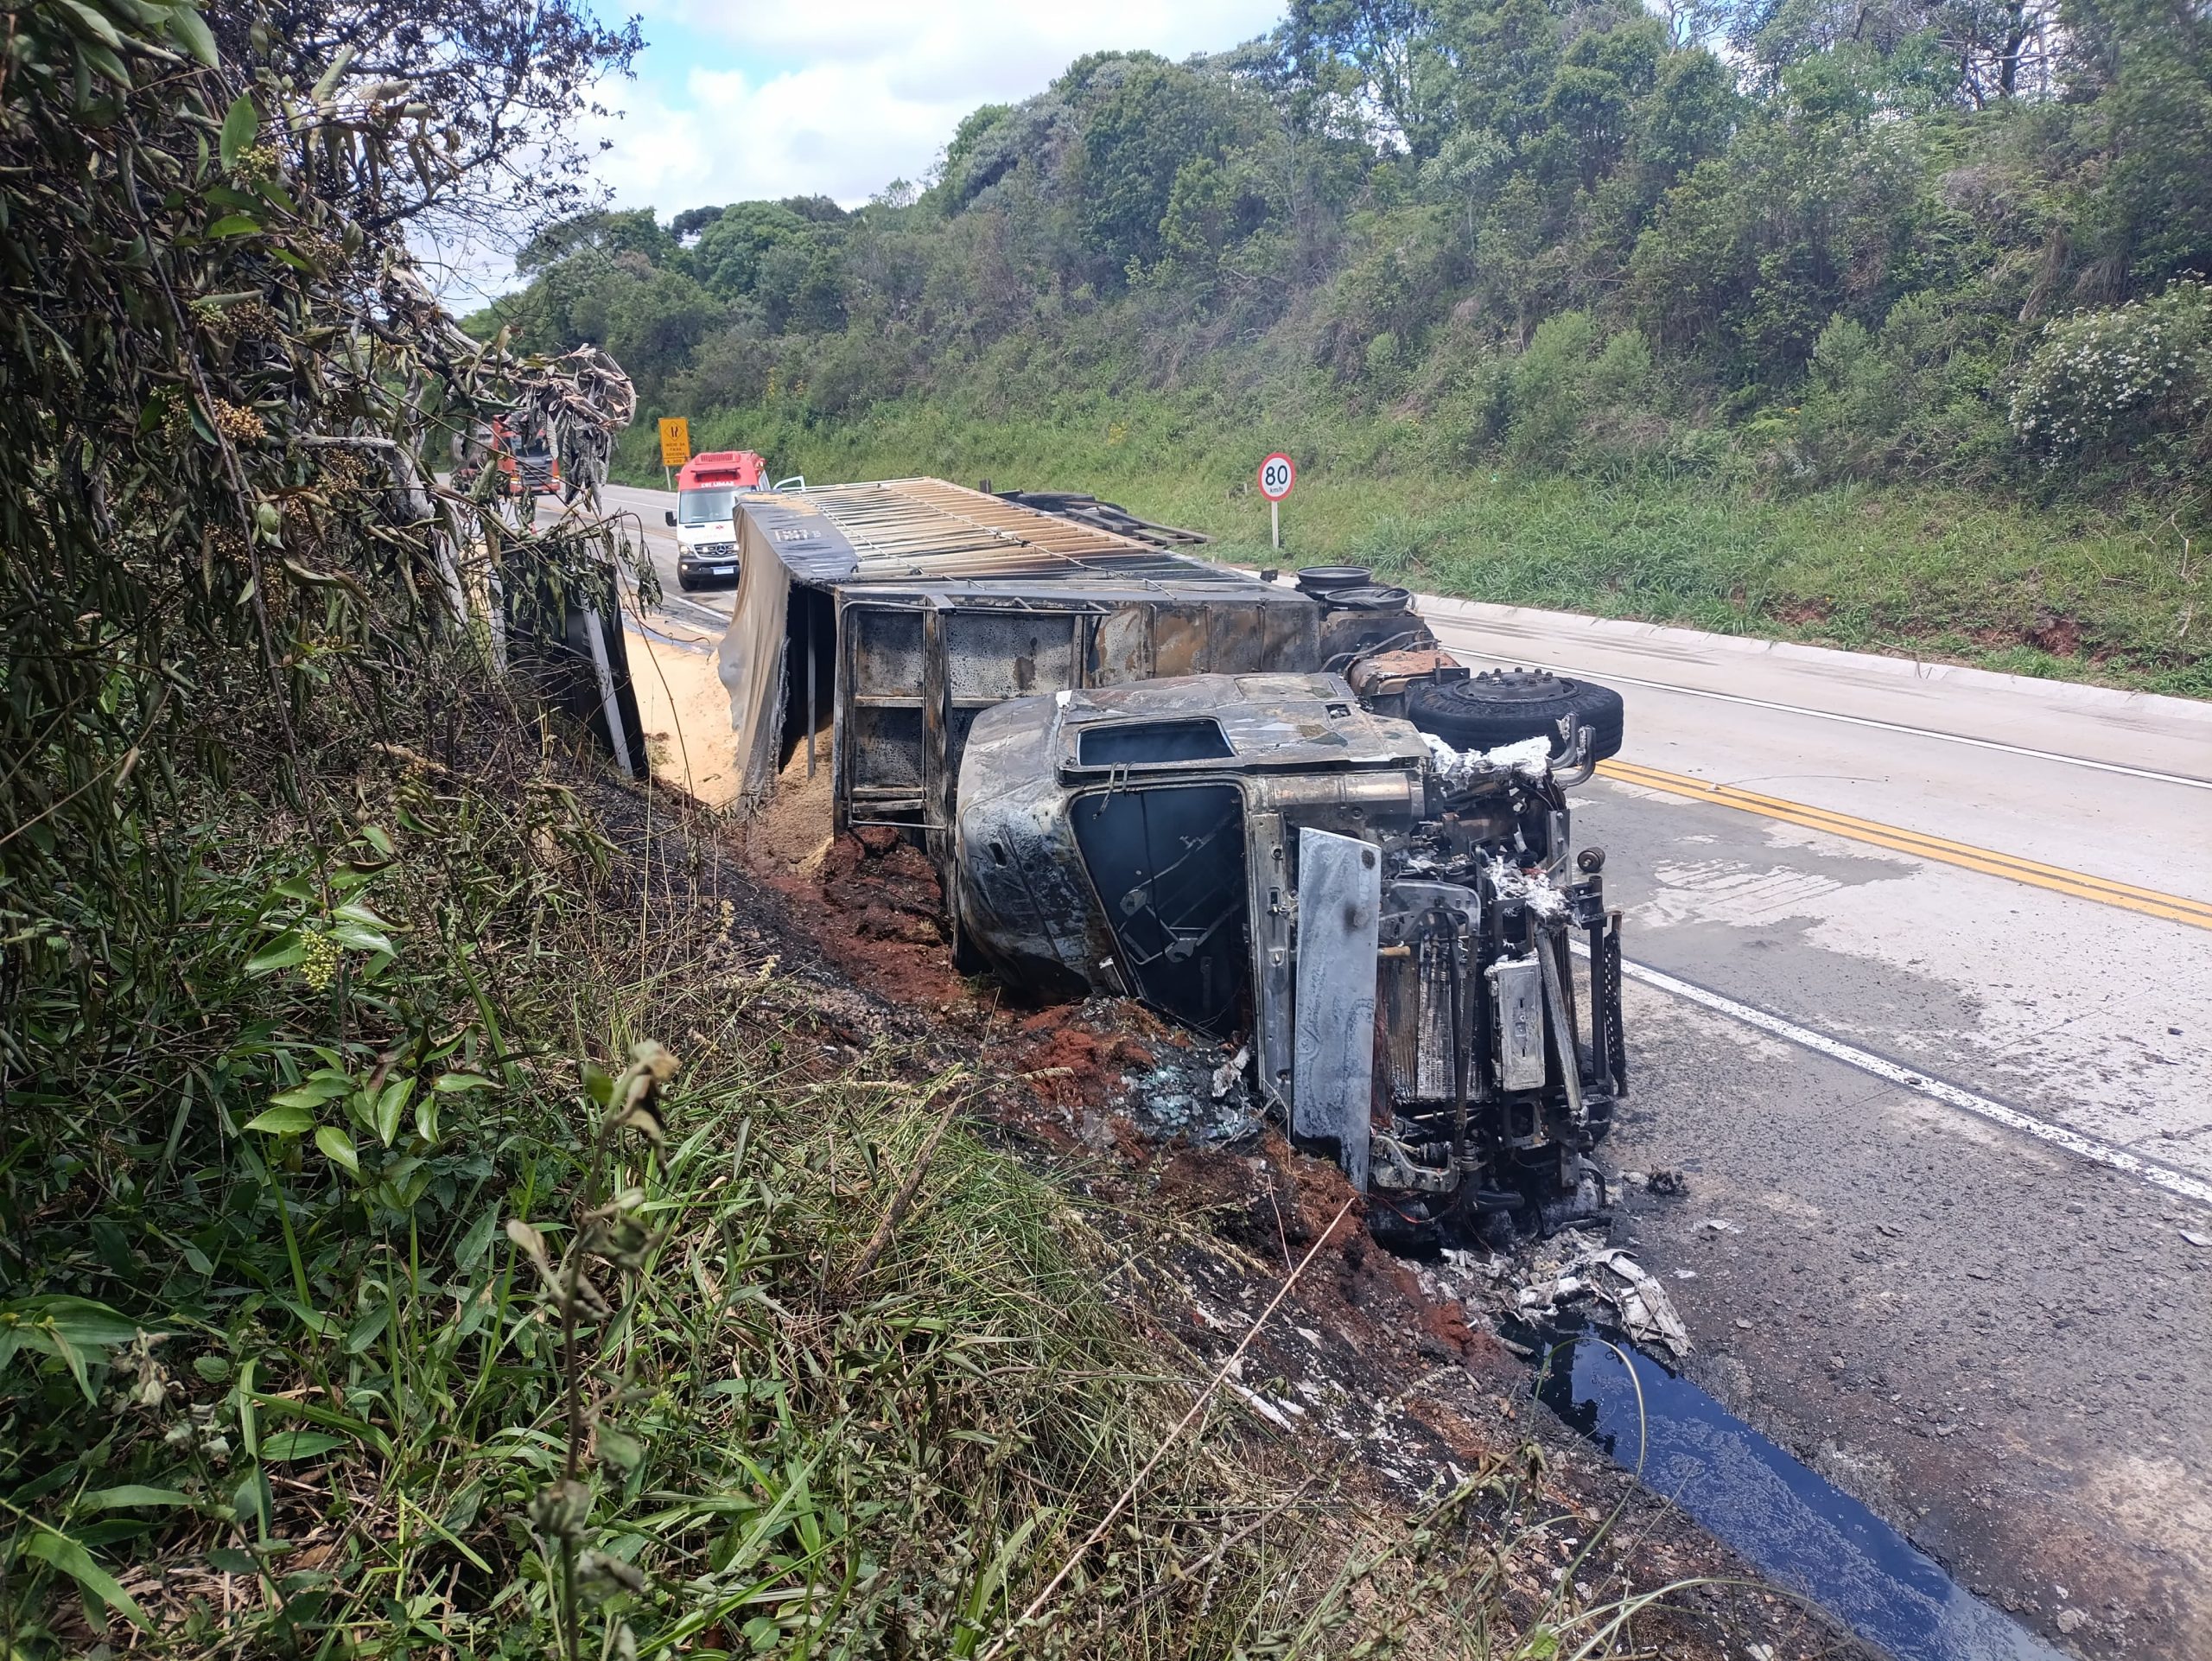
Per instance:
(1792,1522)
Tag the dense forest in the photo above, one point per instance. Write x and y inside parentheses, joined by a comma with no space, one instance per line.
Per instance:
(1956,245)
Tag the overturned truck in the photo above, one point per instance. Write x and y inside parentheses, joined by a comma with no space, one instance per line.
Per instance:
(1280,816)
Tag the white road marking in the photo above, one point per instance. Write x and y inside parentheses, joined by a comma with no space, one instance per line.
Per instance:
(2088,1148)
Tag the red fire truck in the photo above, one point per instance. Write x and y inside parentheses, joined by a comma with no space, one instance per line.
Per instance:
(518,448)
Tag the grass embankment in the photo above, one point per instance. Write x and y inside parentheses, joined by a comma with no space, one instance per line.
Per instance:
(2101,592)
(406,1328)
(305,1390)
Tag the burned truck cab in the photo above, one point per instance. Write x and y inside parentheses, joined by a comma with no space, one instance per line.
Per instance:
(1382,924)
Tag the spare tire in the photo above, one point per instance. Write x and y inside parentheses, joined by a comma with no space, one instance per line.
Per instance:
(1317,580)
(1368,596)
(1503,706)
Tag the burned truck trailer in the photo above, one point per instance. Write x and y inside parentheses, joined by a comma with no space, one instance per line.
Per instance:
(1143,775)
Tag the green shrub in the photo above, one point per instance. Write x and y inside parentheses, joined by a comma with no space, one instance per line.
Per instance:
(2104,381)
(1550,387)
(1853,401)
(1583,401)
(1621,427)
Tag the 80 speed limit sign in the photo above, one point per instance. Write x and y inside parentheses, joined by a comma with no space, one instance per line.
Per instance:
(1277,474)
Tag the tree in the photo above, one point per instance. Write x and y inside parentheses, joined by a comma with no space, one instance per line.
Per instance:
(1373,68)
(1691,114)
(1815,209)
(965,171)
(691,221)
(801,285)
(1963,51)
(1210,205)
(1600,79)
(634,232)
(729,252)
(1145,119)
(995,142)
(1506,54)
(816,210)
(2147,216)
(651,320)
(507,81)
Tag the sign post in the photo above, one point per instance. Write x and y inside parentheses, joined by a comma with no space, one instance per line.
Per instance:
(1277,474)
(675,445)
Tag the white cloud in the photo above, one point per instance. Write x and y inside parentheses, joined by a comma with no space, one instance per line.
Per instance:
(878,87)
(984,47)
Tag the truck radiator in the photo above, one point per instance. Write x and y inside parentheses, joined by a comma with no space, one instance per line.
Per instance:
(1416,999)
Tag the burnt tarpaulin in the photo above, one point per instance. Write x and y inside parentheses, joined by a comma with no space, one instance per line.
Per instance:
(802,538)
(750,662)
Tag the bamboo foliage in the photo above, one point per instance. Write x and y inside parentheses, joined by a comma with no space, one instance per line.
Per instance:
(220,386)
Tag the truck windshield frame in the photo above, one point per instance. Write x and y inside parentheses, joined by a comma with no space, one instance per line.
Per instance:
(711,505)
(1151,743)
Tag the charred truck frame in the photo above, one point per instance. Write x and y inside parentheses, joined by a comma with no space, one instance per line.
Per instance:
(1282,817)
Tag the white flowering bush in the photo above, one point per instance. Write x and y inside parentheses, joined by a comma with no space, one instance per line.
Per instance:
(2137,372)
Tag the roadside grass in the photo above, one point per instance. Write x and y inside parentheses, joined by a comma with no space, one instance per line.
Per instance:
(360,1303)
(307,1390)
(2104,591)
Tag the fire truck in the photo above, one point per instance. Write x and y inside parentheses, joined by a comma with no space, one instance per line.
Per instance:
(521,451)
(705,514)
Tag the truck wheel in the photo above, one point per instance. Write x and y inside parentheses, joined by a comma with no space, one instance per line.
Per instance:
(683,580)
(1503,706)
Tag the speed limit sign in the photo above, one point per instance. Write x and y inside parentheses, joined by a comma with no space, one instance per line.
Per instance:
(1277,474)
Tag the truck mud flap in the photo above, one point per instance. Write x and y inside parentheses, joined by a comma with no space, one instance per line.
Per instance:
(609,696)
(1332,1070)
(567,637)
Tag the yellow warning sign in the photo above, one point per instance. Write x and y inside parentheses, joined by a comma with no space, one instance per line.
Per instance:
(675,442)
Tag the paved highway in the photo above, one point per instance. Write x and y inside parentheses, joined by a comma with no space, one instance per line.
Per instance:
(1924,1012)
(1945,1114)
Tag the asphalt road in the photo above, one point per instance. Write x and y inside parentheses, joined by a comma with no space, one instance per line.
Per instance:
(1926,1017)
(647,507)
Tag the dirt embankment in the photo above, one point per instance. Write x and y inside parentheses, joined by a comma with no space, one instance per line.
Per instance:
(1381,1386)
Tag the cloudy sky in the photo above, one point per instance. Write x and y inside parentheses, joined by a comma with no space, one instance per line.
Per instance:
(744,98)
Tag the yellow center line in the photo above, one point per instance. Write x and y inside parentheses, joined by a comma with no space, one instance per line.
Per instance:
(2151,903)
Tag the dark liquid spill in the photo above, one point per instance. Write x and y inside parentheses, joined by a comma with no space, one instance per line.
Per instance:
(1792,1522)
